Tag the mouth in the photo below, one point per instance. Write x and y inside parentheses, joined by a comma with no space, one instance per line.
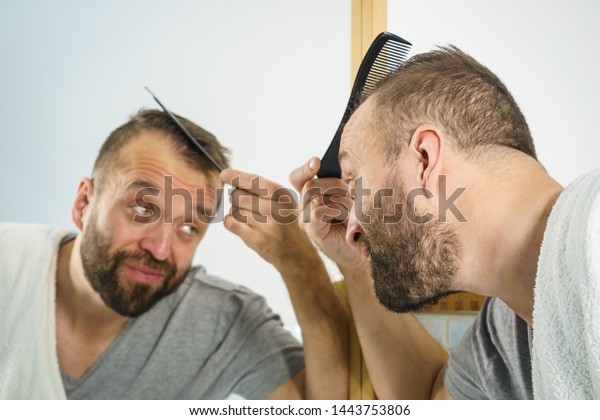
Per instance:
(143,274)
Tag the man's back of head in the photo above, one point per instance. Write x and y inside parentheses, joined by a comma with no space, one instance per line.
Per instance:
(451,90)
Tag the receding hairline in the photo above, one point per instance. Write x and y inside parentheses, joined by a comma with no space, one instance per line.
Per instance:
(368,132)
(154,120)
(111,167)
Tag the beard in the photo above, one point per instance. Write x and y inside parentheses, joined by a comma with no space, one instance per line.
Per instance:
(414,263)
(119,293)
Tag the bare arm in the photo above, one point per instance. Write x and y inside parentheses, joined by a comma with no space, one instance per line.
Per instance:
(262,219)
(403,360)
(292,389)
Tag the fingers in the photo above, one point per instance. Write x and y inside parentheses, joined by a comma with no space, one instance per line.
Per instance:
(253,237)
(325,202)
(320,196)
(334,214)
(321,215)
(324,209)
(265,200)
(252,183)
(237,226)
(304,182)
(329,189)
(267,216)
(281,244)
(258,202)
(282,207)
(279,208)
(306,172)
(326,186)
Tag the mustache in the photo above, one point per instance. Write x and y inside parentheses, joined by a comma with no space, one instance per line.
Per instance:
(145,259)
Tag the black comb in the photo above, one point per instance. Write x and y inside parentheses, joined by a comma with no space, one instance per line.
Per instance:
(386,54)
(191,138)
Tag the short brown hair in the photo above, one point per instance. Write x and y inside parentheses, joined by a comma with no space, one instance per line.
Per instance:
(449,89)
(159,121)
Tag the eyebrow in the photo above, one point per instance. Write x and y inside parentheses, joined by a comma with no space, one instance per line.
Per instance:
(343,155)
(141,184)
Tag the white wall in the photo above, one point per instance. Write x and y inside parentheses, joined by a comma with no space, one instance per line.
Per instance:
(547,54)
(269,78)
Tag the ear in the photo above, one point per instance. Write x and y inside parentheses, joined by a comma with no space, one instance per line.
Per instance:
(85,192)
(427,145)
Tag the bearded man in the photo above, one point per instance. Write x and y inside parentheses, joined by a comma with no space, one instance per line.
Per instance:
(444,193)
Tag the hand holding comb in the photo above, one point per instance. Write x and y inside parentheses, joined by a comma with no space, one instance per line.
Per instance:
(386,54)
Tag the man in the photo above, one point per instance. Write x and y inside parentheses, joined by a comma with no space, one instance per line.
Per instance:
(446,194)
(116,311)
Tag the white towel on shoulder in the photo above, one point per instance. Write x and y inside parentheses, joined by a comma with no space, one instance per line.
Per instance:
(28,360)
(566,315)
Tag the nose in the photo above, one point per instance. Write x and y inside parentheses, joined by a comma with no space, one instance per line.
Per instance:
(157,241)
(354,231)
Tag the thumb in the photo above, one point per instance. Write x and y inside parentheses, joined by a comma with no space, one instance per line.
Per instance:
(305,173)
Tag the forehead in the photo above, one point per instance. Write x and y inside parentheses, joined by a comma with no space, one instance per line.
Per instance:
(150,156)
(358,138)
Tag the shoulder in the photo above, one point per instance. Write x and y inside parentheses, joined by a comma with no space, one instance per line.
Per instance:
(498,330)
(23,243)
(200,281)
(25,232)
(497,319)
(493,359)
(210,295)
(209,308)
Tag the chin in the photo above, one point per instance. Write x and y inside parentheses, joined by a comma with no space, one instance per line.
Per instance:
(404,305)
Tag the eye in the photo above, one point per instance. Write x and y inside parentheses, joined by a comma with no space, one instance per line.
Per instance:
(142,210)
(348,175)
(351,182)
(189,230)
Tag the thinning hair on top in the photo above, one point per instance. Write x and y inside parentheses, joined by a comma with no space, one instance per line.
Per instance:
(153,120)
(453,91)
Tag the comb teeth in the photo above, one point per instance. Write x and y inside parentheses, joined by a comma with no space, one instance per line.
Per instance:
(385,55)
(391,56)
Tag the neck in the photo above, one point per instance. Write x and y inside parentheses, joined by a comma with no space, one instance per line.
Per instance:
(506,234)
(79,307)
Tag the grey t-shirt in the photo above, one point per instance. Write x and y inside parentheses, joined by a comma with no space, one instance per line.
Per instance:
(207,340)
(493,360)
